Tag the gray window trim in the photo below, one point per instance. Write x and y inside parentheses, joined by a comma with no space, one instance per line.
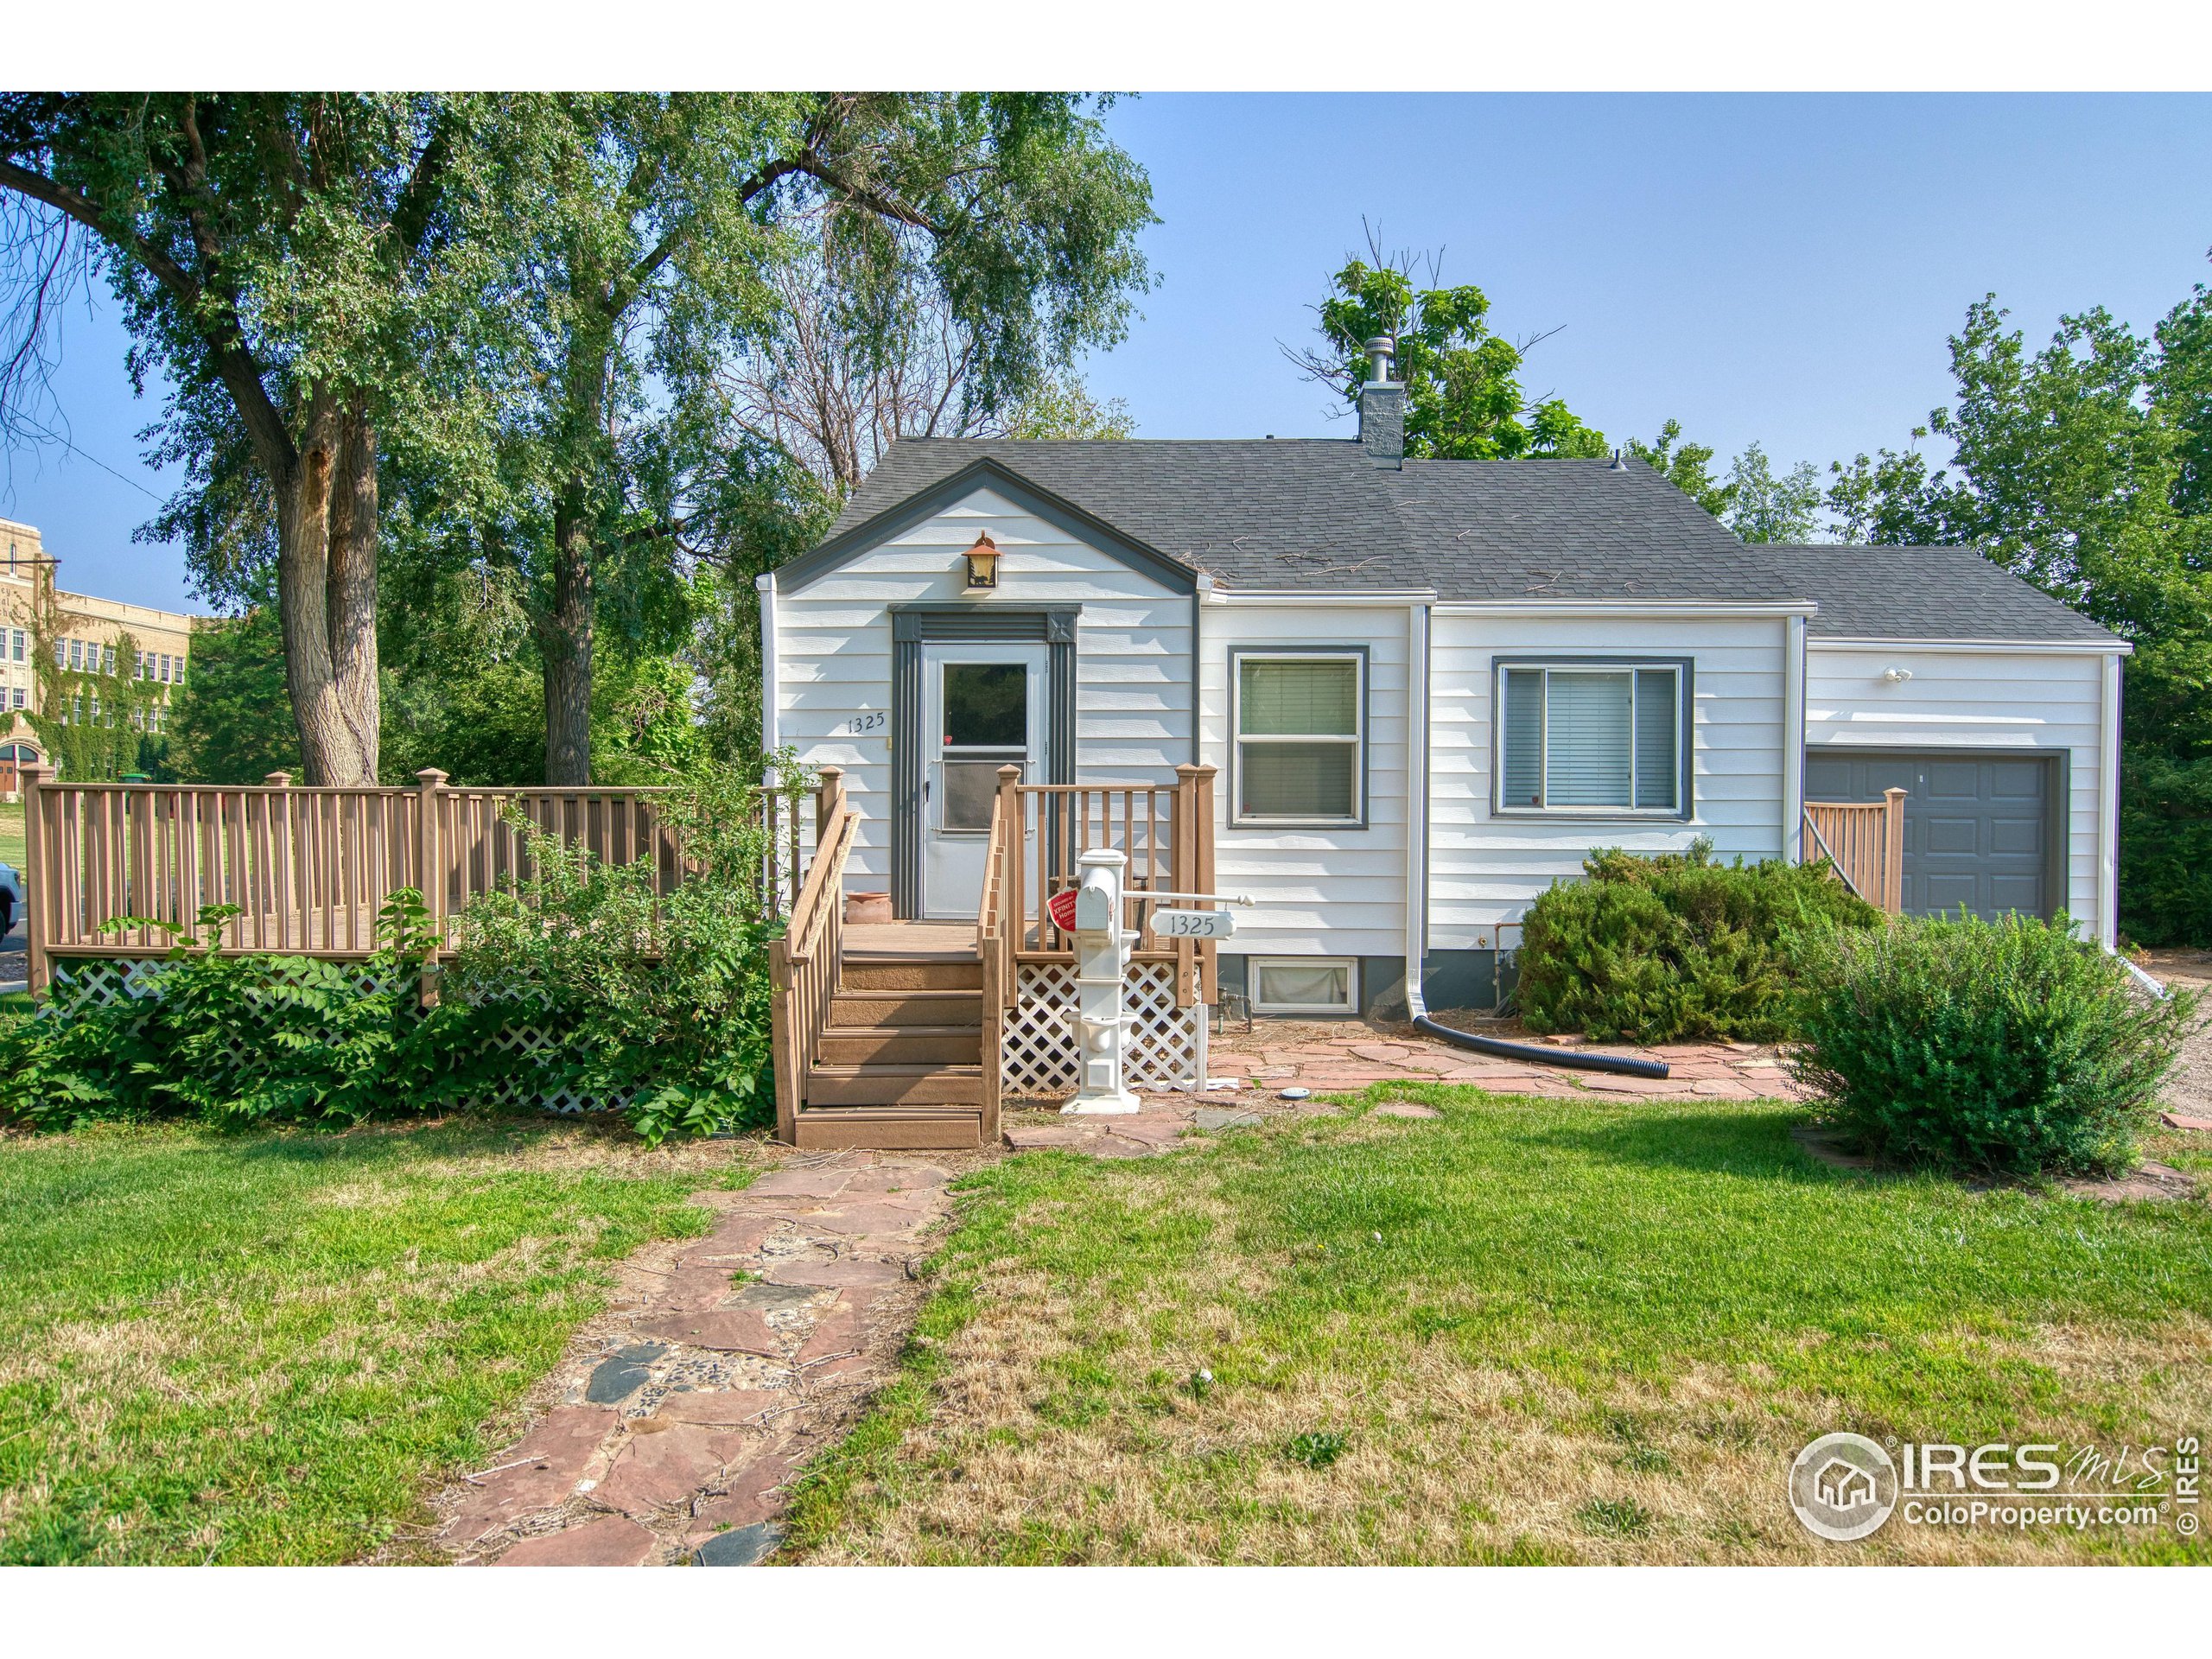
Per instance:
(1685,808)
(1237,655)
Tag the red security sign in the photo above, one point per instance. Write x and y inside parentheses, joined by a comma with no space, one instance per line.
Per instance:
(1061,908)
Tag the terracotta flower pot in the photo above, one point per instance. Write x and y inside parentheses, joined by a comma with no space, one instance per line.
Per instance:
(864,907)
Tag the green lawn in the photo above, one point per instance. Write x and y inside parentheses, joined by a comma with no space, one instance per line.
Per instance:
(1524,1330)
(11,835)
(270,1348)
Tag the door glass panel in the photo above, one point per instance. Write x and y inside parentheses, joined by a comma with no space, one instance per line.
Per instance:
(969,788)
(986,706)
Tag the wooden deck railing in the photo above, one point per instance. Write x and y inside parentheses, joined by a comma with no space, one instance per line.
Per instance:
(1039,831)
(1865,840)
(309,868)
(804,966)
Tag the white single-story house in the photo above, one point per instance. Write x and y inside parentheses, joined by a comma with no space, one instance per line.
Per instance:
(1430,686)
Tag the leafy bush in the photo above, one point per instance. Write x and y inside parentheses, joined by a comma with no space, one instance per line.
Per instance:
(662,1000)
(238,1040)
(1673,948)
(2008,1046)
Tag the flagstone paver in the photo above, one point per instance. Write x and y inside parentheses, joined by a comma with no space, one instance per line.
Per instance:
(681,1421)
(611,1540)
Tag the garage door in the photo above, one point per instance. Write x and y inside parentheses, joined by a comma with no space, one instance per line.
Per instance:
(1979,831)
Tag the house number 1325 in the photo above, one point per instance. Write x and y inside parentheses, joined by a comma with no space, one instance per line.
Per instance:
(872,722)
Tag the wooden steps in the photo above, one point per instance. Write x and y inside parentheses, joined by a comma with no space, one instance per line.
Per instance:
(899,1063)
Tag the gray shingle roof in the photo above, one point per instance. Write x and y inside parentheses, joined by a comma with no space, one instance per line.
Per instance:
(1921,593)
(1316,513)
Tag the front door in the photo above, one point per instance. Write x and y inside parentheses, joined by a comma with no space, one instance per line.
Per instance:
(983,706)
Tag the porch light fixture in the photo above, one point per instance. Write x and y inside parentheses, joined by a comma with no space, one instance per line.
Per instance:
(983,563)
(1895,676)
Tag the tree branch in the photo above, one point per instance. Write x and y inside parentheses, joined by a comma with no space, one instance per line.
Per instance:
(68,200)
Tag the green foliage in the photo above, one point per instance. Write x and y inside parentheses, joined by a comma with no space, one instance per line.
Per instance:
(245,1040)
(232,724)
(1463,400)
(2083,468)
(1316,1449)
(1762,507)
(1689,467)
(2009,1047)
(664,1001)
(1673,948)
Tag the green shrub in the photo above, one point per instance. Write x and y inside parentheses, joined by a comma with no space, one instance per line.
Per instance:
(662,1000)
(243,1039)
(1673,948)
(2007,1046)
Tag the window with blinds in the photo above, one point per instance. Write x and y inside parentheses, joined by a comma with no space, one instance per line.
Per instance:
(1576,737)
(1300,737)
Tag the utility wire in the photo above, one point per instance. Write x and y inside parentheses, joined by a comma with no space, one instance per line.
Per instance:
(56,437)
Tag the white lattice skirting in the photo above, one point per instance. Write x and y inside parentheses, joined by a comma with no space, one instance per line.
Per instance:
(1038,1055)
(95,980)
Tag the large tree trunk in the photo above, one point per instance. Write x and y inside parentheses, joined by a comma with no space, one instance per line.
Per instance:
(327,593)
(564,642)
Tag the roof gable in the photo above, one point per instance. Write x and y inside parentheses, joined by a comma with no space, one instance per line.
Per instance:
(984,472)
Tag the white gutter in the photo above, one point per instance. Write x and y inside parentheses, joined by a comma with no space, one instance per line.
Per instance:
(1417,767)
(1623,608)
(1793,740)
(1366,598)
(2076,648)
(765,585)
(2109,807)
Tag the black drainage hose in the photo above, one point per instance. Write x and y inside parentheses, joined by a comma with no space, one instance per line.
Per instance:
(1574,1060)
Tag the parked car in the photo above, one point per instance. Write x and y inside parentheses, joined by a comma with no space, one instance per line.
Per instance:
(11,898)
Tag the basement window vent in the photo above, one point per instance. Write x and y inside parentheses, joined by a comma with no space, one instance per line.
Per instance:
(1303,984)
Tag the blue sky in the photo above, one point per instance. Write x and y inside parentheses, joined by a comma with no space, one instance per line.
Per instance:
(1781,268)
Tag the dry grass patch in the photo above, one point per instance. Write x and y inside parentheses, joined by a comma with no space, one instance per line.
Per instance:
(1525,1331)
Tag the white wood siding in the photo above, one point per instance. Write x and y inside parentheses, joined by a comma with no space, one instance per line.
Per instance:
(1133,653)
(2036,700)
(1335,891)
(1484,870)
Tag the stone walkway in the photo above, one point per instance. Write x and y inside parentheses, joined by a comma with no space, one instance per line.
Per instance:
(1350,1054)
(675,1426)
(1343,1057)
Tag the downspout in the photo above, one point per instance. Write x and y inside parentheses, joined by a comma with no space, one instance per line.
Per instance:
(2108,808)
(1201,593)
(1417,770)
(1417,694)
(765,585)
(1793,740)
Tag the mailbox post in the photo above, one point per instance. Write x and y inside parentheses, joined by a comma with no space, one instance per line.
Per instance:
(1101,957)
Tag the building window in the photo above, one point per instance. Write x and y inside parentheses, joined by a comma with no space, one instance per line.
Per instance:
(76,653)
(1303,984)
(19,645)
(19,696)
(107,660)
(1301,754)
(1588,737)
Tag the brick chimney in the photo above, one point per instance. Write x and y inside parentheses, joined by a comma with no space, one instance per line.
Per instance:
(1382,407)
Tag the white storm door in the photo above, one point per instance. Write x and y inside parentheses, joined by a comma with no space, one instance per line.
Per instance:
(983,706)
